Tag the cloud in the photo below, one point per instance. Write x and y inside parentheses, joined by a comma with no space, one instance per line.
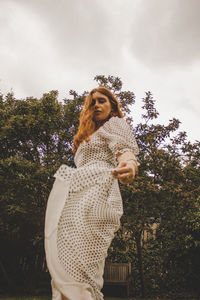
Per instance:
(78,30)
(50,45)
(62,45)
(24,59)
(166,32)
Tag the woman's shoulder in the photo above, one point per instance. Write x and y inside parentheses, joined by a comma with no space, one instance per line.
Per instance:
(119,134)
(115,123)
(115,127)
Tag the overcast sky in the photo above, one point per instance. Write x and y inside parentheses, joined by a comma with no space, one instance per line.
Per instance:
(152,45)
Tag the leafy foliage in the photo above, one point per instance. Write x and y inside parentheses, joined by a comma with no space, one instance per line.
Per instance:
(160,232)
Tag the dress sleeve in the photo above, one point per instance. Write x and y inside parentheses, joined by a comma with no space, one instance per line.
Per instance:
(120,136)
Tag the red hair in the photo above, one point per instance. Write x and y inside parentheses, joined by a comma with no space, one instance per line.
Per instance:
(87,125)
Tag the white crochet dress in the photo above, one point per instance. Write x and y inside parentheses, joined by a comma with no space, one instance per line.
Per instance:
(83,213)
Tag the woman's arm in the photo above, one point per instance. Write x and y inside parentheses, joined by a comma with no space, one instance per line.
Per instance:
(127,167)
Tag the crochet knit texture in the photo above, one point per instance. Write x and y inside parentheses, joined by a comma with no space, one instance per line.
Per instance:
(93,207)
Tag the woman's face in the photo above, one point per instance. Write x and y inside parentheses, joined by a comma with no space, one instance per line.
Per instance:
(101,105)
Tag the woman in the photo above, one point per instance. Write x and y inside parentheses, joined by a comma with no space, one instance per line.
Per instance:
(85,205)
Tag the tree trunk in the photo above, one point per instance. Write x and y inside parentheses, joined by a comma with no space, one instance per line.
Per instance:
(6,278)
(140,262)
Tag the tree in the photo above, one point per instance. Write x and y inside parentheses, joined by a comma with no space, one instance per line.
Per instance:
(36,138)
(165,193)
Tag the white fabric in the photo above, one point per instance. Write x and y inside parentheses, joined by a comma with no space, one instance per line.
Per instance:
(83,212)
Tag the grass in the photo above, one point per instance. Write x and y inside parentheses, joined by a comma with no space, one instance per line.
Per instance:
(48,298)
(106,298)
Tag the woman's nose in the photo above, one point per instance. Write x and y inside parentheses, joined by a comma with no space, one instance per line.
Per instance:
(96,105)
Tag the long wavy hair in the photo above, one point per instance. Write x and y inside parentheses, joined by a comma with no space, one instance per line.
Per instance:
(87,124)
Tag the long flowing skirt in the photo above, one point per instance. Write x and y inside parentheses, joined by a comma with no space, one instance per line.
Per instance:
(83,212)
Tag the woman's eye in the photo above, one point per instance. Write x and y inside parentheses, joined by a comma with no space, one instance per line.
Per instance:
(92,103)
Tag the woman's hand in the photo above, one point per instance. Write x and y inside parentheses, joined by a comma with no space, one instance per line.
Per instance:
(126,171)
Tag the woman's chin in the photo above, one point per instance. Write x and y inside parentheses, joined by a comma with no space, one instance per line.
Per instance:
(98,118)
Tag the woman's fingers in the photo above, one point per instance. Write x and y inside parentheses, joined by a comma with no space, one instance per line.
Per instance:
(123,171)
(126,180)
(125,174)
(122,164)
(125,177)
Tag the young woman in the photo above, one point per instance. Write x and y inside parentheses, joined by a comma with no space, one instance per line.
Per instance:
(85,205)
